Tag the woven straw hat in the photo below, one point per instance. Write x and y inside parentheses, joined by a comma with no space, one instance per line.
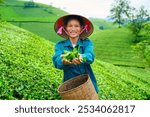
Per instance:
(87,30)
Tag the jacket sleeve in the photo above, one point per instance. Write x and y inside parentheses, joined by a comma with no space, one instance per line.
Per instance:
(57,60)
(88,52)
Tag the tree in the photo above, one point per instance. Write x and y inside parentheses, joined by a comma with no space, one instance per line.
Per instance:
(101,27)
(30,4)
(138,19)
(147,28)
(119,11)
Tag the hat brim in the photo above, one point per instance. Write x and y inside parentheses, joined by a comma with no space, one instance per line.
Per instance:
(60,22)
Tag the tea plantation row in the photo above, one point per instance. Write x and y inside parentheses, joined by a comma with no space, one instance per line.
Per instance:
(27,71)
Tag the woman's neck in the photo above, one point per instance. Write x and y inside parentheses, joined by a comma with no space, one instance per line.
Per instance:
(74,40)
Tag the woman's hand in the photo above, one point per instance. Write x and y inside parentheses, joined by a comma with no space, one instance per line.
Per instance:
(77,60)
(74,61)
(66,62)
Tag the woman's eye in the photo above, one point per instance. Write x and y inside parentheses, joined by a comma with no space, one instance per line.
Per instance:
(76,26)
(73,26)
(70,26)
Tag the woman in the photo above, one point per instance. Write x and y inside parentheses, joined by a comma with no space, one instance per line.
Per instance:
(75,29)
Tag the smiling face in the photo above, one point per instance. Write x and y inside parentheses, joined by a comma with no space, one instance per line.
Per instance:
(73,28)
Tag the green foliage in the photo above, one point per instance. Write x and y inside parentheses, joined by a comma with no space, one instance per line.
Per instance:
(144,49)
(30,4)
(147,53)
(146,30)
(120,83)
(101,27)
(137,24)
(70,55)
(26,69)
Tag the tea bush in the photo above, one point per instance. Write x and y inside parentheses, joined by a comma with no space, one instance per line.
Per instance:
(27,71)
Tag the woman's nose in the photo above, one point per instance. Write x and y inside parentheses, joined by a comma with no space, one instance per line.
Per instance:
(73,28)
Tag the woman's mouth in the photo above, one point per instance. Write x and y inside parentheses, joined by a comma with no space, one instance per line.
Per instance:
(73,33)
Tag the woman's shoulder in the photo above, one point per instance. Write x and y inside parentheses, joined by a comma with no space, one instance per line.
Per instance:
(87,41)
(60,42)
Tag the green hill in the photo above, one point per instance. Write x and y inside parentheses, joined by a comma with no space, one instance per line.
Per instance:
(27,72)
(115,46)
(15,10)
(100,24)
(40,20)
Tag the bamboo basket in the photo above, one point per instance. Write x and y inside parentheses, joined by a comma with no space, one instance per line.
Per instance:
(78,88)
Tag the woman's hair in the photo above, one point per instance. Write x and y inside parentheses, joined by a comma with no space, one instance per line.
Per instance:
(70,17)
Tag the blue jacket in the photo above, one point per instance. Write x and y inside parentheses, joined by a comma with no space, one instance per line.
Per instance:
(70,71)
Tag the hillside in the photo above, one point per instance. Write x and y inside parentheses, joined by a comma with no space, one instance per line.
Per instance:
(115,46)
(100,24)
(15,10)
(27,71)
(40,20)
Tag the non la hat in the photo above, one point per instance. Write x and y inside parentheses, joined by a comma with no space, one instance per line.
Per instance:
(87,30)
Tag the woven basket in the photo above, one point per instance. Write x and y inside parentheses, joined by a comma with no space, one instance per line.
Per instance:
(78,88)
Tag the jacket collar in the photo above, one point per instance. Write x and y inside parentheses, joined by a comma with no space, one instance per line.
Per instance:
(67,42)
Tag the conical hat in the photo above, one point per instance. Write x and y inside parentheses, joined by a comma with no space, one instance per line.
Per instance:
(87,30)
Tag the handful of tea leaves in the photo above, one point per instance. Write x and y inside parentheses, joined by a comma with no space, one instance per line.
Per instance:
(70,55)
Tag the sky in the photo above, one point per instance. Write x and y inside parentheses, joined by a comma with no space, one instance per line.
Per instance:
(91,8)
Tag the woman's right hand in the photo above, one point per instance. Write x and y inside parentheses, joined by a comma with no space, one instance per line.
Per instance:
(66,62)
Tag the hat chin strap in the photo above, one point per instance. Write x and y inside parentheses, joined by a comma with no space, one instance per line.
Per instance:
(61,29)
(84,29)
